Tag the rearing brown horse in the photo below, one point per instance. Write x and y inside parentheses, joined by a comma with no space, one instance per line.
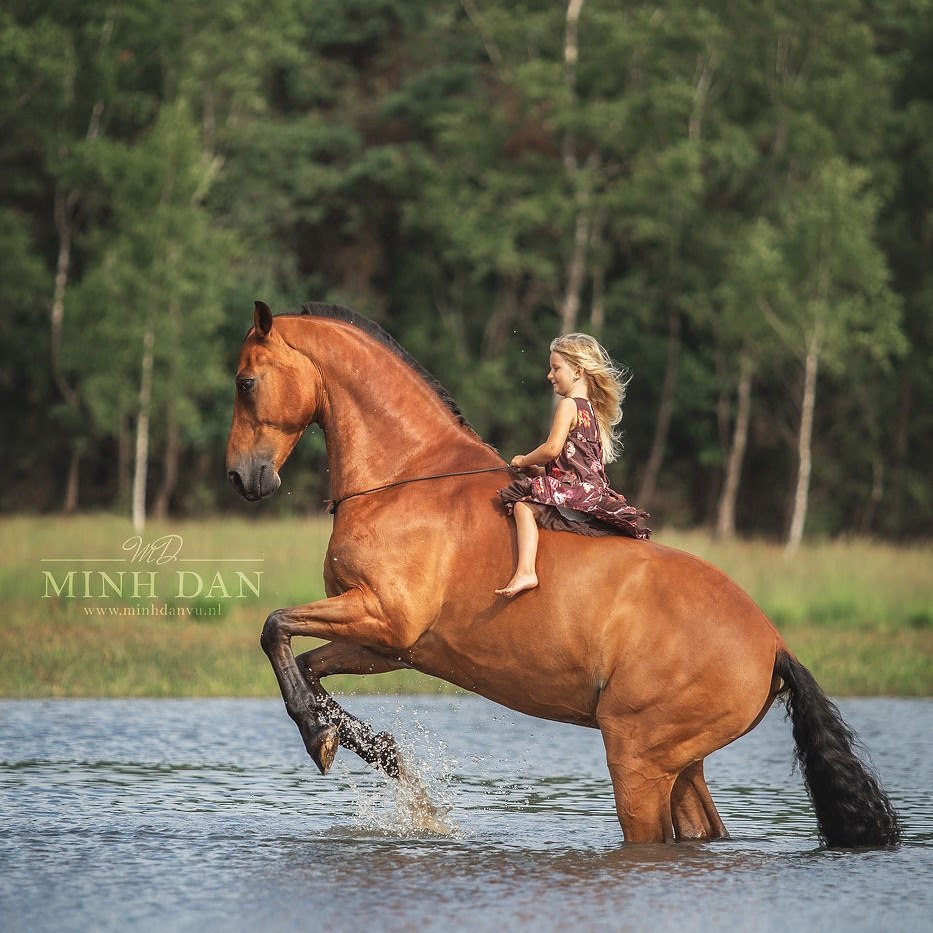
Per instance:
(661,652)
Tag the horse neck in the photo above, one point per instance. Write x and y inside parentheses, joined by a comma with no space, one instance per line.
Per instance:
(382,421)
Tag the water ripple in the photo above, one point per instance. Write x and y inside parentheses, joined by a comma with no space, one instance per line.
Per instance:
(207,814)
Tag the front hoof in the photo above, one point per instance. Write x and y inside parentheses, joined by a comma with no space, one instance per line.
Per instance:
(322,747)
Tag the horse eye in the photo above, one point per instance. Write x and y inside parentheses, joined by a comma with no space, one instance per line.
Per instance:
(244,385)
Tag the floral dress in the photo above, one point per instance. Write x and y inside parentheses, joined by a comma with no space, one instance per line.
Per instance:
(574,488)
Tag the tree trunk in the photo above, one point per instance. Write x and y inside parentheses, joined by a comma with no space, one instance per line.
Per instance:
(498,327)
(867,519)
(489,44)
(72,482)
(701,87)
(598,309)
(124,459)
(169,468)
(570,306)
(598,274)
(142,433)
(805,443)
(665,411)
(64,209)
(576,266)
(725,520)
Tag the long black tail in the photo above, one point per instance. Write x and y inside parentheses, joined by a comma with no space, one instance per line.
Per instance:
(851,808)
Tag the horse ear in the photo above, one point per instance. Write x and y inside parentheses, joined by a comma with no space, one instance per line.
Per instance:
(262,318)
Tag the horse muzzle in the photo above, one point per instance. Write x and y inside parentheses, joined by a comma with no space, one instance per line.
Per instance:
(254,479)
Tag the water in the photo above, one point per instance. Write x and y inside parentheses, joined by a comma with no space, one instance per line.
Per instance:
(207,815)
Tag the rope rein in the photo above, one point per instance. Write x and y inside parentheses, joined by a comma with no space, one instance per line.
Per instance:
(333,503)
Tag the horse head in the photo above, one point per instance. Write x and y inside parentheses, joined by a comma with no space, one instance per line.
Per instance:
(278,394)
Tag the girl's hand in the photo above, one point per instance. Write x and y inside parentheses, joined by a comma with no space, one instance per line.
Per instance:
(518,463)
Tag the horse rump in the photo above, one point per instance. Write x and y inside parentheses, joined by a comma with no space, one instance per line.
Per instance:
(851,808)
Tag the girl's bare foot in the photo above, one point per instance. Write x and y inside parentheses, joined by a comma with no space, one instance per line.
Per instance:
(518,584)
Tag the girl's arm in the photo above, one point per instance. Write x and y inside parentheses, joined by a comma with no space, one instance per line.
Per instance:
(565,417)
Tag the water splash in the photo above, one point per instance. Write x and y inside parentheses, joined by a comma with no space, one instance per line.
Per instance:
(415,809)
(419,800)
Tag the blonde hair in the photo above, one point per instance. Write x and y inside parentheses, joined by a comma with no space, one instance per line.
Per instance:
(605,381)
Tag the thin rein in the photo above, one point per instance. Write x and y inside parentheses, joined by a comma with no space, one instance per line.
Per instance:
(333,503)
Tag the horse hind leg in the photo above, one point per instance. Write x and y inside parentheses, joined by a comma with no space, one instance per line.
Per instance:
(642,791)
(692,809)
(377,749)
(657,798)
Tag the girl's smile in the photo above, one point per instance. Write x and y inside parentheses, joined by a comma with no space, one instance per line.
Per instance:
(562,375)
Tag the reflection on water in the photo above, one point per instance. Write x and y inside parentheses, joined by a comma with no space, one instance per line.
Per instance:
(206,814)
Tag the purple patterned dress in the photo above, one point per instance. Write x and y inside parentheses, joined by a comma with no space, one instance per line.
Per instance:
(574,491)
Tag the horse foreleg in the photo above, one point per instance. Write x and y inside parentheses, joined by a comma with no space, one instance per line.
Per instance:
(320,720)
(694,814)
(336,658)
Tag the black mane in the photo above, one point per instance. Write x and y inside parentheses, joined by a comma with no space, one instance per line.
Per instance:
(372,329)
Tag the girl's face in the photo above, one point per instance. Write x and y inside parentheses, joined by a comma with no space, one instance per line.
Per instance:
(562,375)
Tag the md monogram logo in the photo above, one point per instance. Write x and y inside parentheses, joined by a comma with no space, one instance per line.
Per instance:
(150,570)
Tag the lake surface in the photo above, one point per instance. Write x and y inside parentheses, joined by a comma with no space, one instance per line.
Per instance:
(207,815)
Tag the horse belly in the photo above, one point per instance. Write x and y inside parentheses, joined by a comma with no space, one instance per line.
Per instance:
(550,683)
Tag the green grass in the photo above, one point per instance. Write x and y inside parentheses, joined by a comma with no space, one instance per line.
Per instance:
(858,613)
(52,647)
(855,585)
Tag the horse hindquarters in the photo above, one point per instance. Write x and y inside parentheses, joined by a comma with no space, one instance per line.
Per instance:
(851,808)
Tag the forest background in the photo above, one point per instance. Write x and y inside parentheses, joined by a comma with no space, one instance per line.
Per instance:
(734,197)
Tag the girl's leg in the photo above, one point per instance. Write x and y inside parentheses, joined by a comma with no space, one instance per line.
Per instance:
(524,577)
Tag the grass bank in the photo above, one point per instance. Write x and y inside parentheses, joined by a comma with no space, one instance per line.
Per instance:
(184,617)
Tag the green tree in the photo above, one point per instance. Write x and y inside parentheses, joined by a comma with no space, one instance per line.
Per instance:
(901,494)
(824,291)
(93,88)
(475,176)
(163,267)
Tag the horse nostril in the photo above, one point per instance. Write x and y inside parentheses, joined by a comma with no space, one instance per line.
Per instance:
(235,479)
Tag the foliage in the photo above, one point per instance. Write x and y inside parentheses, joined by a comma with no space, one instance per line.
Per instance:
(695,184)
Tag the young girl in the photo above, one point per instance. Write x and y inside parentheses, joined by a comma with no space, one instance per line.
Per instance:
(566,486)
